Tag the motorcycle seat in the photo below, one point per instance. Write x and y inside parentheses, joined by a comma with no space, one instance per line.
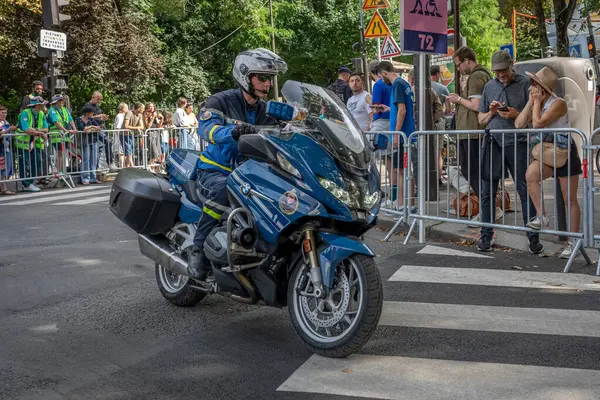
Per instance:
(191,190)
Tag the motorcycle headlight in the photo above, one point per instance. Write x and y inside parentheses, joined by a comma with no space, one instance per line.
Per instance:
(340,193)
(287,166)
(371,199)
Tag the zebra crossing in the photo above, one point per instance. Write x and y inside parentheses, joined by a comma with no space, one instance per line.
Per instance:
(92,195)
(461,328)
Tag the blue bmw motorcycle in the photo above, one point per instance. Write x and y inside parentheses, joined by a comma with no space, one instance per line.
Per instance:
(301,199)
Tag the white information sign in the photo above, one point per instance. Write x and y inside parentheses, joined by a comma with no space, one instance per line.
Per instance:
(53,40)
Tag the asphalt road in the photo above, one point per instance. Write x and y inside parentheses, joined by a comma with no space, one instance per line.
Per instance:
(81,318)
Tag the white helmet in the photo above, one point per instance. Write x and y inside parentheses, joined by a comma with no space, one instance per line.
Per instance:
(258,61)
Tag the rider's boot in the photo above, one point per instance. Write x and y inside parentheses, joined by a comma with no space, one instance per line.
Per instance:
(198,266)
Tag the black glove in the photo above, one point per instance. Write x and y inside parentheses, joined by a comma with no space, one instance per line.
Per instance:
(242,129)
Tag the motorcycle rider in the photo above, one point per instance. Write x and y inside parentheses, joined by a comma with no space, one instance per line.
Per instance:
(224,118)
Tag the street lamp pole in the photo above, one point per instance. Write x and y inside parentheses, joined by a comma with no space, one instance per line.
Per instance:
(275,83)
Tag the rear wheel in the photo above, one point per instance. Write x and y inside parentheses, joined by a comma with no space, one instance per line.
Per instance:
(177,288)
(343,321)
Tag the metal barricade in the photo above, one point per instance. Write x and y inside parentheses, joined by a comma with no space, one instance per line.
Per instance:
(491,168)
(391,164)
(40,158)
(161,141)
(594,189)
(128,148)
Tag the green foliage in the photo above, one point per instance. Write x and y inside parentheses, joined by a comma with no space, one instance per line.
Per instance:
(484,28)
(159,50)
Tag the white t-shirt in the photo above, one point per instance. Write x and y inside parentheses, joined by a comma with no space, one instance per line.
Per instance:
(179,117)
(190,119)
(360,109)
(119,119)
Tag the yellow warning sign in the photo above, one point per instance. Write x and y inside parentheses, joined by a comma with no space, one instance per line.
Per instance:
(377,27)
(375,4)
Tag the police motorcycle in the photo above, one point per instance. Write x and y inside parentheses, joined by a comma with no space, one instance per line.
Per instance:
(306,192)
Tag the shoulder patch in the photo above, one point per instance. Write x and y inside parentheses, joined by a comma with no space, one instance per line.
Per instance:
(206,115)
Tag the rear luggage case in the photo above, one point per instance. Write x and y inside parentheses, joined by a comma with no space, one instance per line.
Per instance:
(144,202)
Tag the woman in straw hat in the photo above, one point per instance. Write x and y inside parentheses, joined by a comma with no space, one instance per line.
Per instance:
(551,151)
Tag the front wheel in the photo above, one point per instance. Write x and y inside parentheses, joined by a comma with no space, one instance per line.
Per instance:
(176,288)
(343,321)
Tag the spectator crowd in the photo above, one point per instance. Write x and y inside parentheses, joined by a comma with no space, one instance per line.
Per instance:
(46,137)
(500,100)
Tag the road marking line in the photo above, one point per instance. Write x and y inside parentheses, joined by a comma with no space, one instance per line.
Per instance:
(53,198)
(542,321)
(492,277)
(84,201)
(49,192)
(386,377)
(443,251)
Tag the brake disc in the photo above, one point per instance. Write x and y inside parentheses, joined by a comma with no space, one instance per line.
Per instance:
(327,319)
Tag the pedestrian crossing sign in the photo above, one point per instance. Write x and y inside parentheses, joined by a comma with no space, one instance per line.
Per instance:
(375,4)
(377,27)
(390,48)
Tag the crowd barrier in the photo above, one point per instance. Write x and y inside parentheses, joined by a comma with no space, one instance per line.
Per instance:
(84,155)
(461,156)
(161,141)
(594,189)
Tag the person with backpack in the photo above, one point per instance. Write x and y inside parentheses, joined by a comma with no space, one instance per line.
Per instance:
(466,116)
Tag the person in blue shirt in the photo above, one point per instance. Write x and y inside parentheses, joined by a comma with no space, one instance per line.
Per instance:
(382,94)
(402,119)
(90,129)
(225,117)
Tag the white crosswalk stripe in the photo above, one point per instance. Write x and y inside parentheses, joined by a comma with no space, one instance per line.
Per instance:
(505,278)
(421,378)
(386,371)
(78,196)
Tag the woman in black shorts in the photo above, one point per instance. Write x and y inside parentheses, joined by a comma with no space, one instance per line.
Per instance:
(546,110)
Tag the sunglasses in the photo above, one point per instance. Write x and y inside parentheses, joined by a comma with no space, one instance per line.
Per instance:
(264,78)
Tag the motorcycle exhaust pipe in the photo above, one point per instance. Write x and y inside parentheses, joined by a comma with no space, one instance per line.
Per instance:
(158,249)
(253,298)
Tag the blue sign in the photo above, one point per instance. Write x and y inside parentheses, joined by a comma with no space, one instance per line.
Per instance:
(510,48)
(575,50)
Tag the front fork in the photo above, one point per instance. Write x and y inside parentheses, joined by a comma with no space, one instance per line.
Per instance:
(309,246)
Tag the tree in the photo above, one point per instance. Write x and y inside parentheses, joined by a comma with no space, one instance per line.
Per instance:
(483,27)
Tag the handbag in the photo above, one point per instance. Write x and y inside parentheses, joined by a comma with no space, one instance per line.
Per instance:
(462,208)
(547,149)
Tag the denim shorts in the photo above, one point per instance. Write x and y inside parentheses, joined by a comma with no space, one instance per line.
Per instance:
(164,146)
(127,144)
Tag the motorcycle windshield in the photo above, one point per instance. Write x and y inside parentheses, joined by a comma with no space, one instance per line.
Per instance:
(329,122)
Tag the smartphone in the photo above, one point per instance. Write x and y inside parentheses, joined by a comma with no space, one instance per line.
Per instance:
(503,108)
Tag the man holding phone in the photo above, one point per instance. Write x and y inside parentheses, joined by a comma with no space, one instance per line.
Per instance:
(503,98)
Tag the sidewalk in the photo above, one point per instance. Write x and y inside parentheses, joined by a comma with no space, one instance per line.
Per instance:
(459,232)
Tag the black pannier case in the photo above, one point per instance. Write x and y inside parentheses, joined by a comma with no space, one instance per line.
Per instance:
(143,201)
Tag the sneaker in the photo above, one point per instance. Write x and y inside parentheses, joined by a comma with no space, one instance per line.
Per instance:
(537,222)
(535,247)
(567,251)
(85,183)
(476,218)
(31,188)
(499,214)
(484,244)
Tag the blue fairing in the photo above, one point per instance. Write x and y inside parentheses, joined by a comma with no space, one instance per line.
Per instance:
(338,248)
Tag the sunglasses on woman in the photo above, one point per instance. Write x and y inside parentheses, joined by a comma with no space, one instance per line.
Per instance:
(264,78)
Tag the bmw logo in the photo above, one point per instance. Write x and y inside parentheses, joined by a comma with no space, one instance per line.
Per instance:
(245,189)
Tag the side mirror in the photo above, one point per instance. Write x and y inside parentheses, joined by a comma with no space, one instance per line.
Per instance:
(380,142)
(280,111)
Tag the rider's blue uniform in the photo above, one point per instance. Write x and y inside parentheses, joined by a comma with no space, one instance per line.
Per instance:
(218,118)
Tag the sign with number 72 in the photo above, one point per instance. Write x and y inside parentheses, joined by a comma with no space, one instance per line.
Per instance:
(425,26)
